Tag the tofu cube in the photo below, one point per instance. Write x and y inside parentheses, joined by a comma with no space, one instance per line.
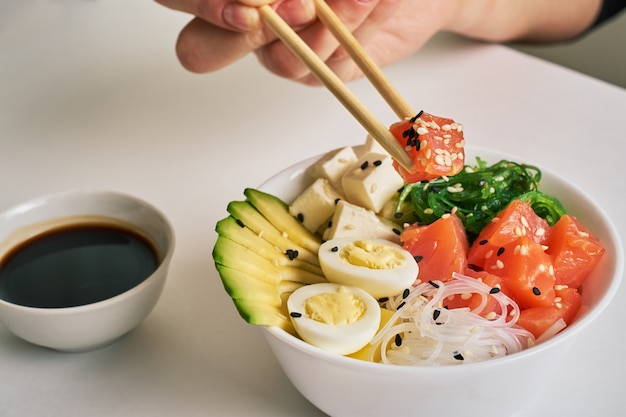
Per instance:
(333,166)
(352,221)
(315,205)
(371,181)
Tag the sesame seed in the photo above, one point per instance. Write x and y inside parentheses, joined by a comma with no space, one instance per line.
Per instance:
(334,249)
(295,314)
(536,291)
(488,254)
(491,315)
(378,163)
(398,340)
(494,290)
(422,130)
(466,295)
(364,165)
(406,293)
(418,258)
(499,264)
(240,223)
(300,217)
(458,356)
(559,305)
(436,314)
(434,284)
(500,251)
(483,242)
(428,211)
(383,299)
(524,222)
(400,305)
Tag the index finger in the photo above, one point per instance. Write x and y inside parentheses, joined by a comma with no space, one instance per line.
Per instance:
(241,16)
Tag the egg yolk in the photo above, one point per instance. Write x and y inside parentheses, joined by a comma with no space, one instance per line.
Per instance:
(371,255)
(335,307)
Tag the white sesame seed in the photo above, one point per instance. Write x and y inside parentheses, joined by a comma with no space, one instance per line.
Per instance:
(491,315)
(422,130)
(540,232)
(499,264)
(524,221)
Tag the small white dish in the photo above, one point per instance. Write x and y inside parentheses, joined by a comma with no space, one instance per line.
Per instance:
(102,318)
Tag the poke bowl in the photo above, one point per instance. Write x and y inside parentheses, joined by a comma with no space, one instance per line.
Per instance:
(344,386)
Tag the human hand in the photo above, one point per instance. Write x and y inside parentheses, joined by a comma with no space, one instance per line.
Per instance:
(224,31)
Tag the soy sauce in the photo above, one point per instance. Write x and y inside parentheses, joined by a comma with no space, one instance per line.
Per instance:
(76,265)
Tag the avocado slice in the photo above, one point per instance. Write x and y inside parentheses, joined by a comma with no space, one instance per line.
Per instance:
(229,253)
(238,232)
(247,214)
(276,212)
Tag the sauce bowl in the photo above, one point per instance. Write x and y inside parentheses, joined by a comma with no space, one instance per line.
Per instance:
(76,302)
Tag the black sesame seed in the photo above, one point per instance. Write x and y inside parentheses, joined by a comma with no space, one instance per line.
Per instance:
(436,314)
(291,254)
(483,242)
(434,284)
(494,290)
(334,249)
(396,231)
(398,214)
(406,293)
(500,251)
(398,340)
(418,258)
(400,305)
(417,116)
(295,314)
(364,165)
(383,299)
(536,291)
(240,223)
(378,163)
(300,217)
(458,356)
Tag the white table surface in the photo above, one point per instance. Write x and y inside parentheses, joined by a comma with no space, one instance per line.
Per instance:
(91,95)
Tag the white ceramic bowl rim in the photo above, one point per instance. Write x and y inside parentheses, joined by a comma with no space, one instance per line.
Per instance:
(582,322)
(163,261)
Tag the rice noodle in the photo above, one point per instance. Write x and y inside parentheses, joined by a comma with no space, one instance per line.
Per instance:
(433,335)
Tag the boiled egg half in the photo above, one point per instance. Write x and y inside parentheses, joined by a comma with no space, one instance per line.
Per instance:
(334,317)
(380,267)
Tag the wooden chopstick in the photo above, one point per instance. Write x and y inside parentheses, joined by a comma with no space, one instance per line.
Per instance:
(333,83)
(363,60)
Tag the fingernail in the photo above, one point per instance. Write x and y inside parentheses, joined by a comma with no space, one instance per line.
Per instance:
(297,12)
(241,17)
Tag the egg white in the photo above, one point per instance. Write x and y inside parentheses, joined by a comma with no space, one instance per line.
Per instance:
(342,339)
(378,282)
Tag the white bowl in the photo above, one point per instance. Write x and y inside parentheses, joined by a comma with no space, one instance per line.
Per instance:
(342,386)
(89,326)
